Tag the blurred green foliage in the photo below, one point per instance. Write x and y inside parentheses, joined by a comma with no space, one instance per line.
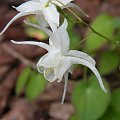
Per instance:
(113,111)
(109,62)
(22,80)
(104,25)
(73,117)
(108,51)
(89,99)
(90,102)
(115,102)
(35,86)
(32,82)
(110,115)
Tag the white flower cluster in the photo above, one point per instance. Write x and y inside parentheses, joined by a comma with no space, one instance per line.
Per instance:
(58,62)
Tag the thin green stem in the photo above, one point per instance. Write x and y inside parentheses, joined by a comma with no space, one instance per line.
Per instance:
(109,40)
(84,23)
(79,43)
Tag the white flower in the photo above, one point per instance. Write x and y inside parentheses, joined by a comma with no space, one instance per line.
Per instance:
(57,63)
(45,11)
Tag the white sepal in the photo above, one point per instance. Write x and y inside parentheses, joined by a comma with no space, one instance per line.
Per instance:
(21,14)
(39,44)
(89,65)
(50,59)
(82,55)
(30,6)
(52,16)
(47,31)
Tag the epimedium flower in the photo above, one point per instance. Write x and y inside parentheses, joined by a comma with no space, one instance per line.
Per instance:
(58,62)
(45,11)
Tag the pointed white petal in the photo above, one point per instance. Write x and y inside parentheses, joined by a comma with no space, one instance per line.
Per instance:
(50,59)
(63,37)
(65,86)
(15,18)
(62,2)
(72,5)
(47,31)
(68,61)
(49,74)
(40,44)
(30,6)
(70,70)
(89,65)
(60,39)
(41,19)
(62,67)
(82,55)
(52,16)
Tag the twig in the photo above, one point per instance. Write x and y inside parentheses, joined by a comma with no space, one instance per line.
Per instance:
(19,56)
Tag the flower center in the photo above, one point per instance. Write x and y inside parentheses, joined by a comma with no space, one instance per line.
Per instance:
(47,3)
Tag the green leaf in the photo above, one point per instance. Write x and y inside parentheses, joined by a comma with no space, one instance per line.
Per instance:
(104,25)
(110,115)
(117,37)
(109,62)
(115,102)
(89,99)
(116,22)
(35,86)
(22,80)
(117,30)
(74,117)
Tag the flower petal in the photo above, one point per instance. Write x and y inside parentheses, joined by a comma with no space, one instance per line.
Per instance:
(50,59)
(82,55)
(41,19)
(47,31)
(40,44)
(49,74)
(62,67)
(60,38)
(52,17)
(30,6)
(70,70)
(15,18)
(91,66)
(68,61)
